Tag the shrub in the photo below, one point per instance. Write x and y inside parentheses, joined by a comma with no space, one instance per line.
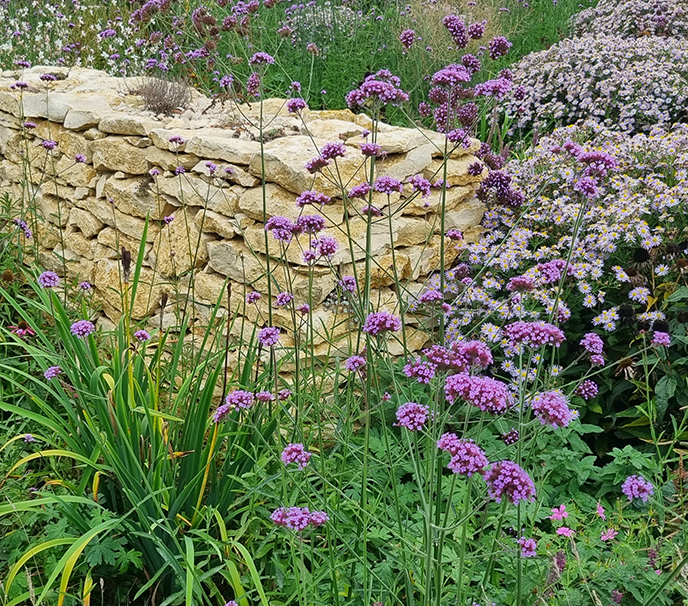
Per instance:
(161,95)
(630,84)
(633,18)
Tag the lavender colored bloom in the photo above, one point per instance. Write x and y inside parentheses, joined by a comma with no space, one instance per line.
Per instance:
(506,478)
(82,328)
(52,372)
(552,408)
(85,286)
(587,390)
(534,334)
(326,246)
(371,211)
(296,105)
(261,58)
(467,457)
(318,518)
(142,335)
(284,394)
(520,284)
(80,158)
(282,228)
(485,393)
(348,283)
(592,343)
(177,140)
(431,296)
(236,400)
(48,144)
(284,298)
(28,438)
(180,170)
(511,437)
(310,224)
(29,125)
(637,487)
(496,88)
(498,47)
(354,363)
(253,84)
(454,234)
(380,322)
(451,76)
(412,416)
(528,547)
(420,370)
(420,184)
(315,165)
(330,151)
(407,38)
(388,185)
(49,279)
(475,354)
(660,338)
(587,187)
(457,29)
(475,169)
(264,396)
(268,337)
(477,30)
(359,191)
(372,149)
(294,518)
(253,297)
(312,197)
(296,453)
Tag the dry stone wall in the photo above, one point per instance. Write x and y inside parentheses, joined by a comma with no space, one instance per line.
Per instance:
(130,176)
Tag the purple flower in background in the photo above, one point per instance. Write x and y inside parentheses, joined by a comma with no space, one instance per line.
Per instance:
(80,158)
(261,58)
(28,438)
(326,246)
(407,38)
(180,170)
(552,408)
(284,394)
(264,396)
(422,371)
(592,343)
(82,328)
(534,334)
(296,453)
(177,140)
(454,234)
(298,518)
(312,197)
(498,47)
(388,185)
(282,228)
(475,169)
(310,224)
(457,29)
(372,149)
(565,531)
(354,363)
(412,416)
(587,187)
(348,283)
(142,335)
(608,534)
(421,184)
(637,487)
(467,457)
(359,191)
(381,321)
(253,84)
(235,400)
(49,279)
(477,30)
(52,372)
(296,105)
(268,337)
(528,547)
(48,144)
(318,518)
(471,63)
(330,151)
(284,298)
(587,389)
(660,338)
(497,88)
(253,297)
(508,479)
(486,393)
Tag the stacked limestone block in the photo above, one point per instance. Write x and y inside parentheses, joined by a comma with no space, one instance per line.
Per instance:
(129,171)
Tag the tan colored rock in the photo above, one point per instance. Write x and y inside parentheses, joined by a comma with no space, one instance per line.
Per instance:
(180,246)
(110,242)
(77,174)
(53,209)
(385,269)
(130,226)
(113,153)
(397,140)
(219,147)
(333,130)
(127,124)
(211,222)
(46,234)
(457,171)
(285,160)
(425,258)
(467,214)
(110,290)
(404,166)
(137,197)
(72,144)
(9,103)
(341,114)
(236,261)
(280,202)
(191,190)
(416,205)
(88,224)
(228,172)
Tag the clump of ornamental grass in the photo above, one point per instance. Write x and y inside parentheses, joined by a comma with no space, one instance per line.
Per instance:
(633,19)
(162,95)
(631,84)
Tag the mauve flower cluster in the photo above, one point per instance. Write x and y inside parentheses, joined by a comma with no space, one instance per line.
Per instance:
(633,18)
(629,84)
(413,416)
(382,87)
(507,479)
(467,457)
(486,393)
(236,400)
(298,518)
(296,453)
(381,321)
(637,487)
(552,408)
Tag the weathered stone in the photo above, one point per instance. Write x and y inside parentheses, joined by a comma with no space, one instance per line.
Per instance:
(385,270)
(88,223)
(108,281)
(180,246)
(191,190)
(77,174)
(110,242)
(211,222)
(72,144)
(333,130)
(130,226)
(137,197)
(113,153)
(466,215)
(418,206)
(236,261)
(140,142)
(217,147)
(9,103)
(127,124)
(425,258)
(282,203)
(285,164)
(54,209)
(229,172)
(457,171)
(406,165)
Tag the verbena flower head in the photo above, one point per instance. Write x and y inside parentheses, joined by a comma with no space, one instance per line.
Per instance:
(269,336)
(637,487)
(592,343)
(52,372)
(475,353)
(310,224)
(467,457)
(82,328)
(587,389)
(298,518)
(284,298)
(551,408)
(359,191)
(354,363)
(142,335)
(534,334)
(49,279)
(528,547)
(326,246)
(312,197)
(388,185)
(235,400)
(420,370)
(253,297)
(498,47)
(296,104)
(348,283)
(261,58)
(296,453)
(381,321)
(330,151)
(407,38)
(413,416)
(507,479)
(660,339)
(485,393)
(381,87)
